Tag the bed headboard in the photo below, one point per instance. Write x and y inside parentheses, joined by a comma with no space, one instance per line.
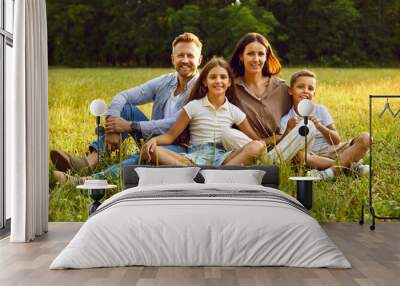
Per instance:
(270,179)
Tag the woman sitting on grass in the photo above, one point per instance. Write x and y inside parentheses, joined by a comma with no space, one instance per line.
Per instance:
(207,114)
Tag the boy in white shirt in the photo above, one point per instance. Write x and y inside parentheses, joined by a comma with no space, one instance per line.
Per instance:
(328,154)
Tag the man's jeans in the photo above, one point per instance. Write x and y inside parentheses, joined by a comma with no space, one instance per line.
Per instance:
(113,171)
(130,113)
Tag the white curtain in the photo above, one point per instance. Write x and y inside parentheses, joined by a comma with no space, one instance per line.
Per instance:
(26,124)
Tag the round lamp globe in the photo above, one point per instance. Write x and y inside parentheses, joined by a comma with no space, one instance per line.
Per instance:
(305,108)
(98,107)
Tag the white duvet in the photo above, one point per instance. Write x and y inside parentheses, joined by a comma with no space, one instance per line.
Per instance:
(183,231)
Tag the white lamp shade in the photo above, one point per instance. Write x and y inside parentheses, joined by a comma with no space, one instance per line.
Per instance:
(305,107)
(98,107)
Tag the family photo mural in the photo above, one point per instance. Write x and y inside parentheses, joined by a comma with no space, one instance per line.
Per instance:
(220,83)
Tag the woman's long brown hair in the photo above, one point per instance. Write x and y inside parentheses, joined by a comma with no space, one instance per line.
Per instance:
(271,67)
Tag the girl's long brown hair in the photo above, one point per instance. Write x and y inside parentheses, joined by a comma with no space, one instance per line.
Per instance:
(199,90)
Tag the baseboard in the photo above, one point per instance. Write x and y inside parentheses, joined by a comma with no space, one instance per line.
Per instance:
(5,231)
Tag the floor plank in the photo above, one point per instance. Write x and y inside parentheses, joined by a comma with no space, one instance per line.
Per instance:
(374,255)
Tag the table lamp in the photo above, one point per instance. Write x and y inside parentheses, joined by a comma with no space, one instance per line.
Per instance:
(305,184)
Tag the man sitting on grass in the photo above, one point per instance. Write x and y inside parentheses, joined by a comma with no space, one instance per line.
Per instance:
(329,155)
(168,93)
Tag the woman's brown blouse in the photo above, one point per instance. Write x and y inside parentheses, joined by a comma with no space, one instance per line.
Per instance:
(264,113)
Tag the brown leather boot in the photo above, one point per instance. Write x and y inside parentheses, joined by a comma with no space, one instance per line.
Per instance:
(64,161)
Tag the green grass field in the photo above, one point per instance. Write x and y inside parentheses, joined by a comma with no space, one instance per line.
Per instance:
(345,92)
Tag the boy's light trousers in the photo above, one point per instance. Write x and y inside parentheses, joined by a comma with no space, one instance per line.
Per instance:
(284,151)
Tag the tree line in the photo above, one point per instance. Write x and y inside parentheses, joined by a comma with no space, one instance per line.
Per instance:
(140,32)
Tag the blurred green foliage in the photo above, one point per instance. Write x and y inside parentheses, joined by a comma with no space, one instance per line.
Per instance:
(140,32)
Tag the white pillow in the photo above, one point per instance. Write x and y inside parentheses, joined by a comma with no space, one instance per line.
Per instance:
(248,177)
(166,176)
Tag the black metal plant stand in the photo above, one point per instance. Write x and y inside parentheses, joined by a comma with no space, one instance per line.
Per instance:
(370,201)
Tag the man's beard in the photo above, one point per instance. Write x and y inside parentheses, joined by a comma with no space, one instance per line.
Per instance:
(186,70)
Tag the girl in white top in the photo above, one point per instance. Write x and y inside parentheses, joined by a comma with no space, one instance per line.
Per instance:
(207,114)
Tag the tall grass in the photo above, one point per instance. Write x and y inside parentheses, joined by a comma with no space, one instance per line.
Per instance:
(345,92)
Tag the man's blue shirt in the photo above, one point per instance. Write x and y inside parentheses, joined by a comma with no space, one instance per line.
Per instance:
(159,91)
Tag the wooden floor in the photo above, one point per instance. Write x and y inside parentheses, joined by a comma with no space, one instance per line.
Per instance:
(374,255)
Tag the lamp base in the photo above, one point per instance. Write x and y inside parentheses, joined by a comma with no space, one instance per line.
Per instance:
(96,195)
(303,130)
(304,193)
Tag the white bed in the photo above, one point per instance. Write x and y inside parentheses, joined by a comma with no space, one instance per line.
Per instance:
(201,224)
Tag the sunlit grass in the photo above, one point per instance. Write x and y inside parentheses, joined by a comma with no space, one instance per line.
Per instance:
(345,92)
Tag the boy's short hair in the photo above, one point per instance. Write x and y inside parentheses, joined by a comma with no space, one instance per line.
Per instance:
(300,73)
(187,38)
